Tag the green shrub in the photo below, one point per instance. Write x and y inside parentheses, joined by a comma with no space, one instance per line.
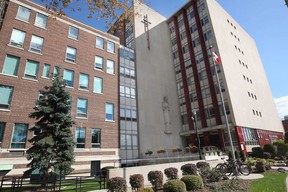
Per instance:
(171,173)
(236,154)
(266,155)
(189,169)
(175,185)
(257,152)
(270,149)
(202,164)
(282,150)
(260,166)
(156,179)
(271,161)
(212,175)
(136,181)
(147,189)
(242,156)
(193,182)
(117,184)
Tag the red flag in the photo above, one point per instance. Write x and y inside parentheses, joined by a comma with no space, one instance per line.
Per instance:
(215,57)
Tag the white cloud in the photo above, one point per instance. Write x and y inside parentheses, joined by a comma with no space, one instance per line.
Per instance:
(282,106)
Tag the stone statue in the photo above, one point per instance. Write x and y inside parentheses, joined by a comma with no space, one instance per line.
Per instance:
(166,114)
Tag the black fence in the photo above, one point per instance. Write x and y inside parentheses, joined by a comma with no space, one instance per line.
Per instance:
(54,183)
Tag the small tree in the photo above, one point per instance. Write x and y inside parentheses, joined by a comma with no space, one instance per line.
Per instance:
(52,145)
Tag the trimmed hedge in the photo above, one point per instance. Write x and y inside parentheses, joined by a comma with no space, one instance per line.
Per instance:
(117,184)
(171,173)
(189,169)
(193,182)
(174,185)
(136,181)
(202,164)
(156,179)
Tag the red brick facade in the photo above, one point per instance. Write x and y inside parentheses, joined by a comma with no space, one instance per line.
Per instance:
(56,40)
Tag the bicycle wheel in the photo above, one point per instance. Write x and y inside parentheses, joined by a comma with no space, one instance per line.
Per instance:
(226,170)
(244,169)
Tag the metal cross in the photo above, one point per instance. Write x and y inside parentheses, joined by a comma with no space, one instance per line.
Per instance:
(146,28)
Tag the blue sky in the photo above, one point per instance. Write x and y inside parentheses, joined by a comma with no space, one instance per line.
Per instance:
(266,21)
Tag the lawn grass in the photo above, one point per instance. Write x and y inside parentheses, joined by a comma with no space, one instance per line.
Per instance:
(272,182)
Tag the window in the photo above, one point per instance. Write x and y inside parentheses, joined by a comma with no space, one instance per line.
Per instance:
(80,136)
(71,54)
(193,28)
(110,67)
(68,77)
(46,70)
(19,135)
(73,32)
(98,63)
(110,47)
(11,64)
(5,96)
(23,13)
(96,138)
(36,44)
(205,93)
(2,127)
(81,107)
(83,81)
(17,38)
(31,69)
(207,35)
(56,71)
(109,111)
(205,20)
(196,42)
(41,20)
(100,42)
(98,84)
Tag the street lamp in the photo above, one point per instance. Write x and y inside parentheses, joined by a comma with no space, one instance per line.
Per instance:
(194,118)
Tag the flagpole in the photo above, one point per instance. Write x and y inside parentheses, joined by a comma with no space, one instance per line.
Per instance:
(224,109)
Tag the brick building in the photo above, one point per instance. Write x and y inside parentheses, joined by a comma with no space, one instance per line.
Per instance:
(32,44)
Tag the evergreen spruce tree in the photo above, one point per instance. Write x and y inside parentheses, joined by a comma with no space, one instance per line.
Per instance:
(52,148)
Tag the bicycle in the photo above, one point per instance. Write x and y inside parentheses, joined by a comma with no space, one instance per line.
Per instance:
(235,167)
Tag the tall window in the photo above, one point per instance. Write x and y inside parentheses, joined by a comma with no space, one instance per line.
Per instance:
(98,82)
(41,20)
(71,54)
(31,69)
(5,96)
(11,64)
(46,70)
(68,76)
(110,67)
(73,32)
(98,63)
(81,107)
(23,13)
(19,135)
(100,42)
(80,136)
(36,44)
(17,38)
(96,138)
(110,47)
(109,111)
(83,81)
(2,127)
(55,71)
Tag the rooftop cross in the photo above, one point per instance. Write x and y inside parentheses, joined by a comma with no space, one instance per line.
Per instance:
(146,28)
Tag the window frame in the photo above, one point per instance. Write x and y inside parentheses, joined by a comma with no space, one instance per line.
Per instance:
(71,35)
(83,87)
(97,144)
(19,142)
(80,129)
(95,63)
(106,112)
(69,58)
(8,104)
(82,115)
(42,25)
(97,45)
(2,131)
(15,73)
(108,47)
(17,44)
(108,69)
(21,18)
(31,76)
(94,90)
(72,80)
(46,71)
(36,49)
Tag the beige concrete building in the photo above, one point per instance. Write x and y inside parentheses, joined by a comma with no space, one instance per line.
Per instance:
(173,61)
